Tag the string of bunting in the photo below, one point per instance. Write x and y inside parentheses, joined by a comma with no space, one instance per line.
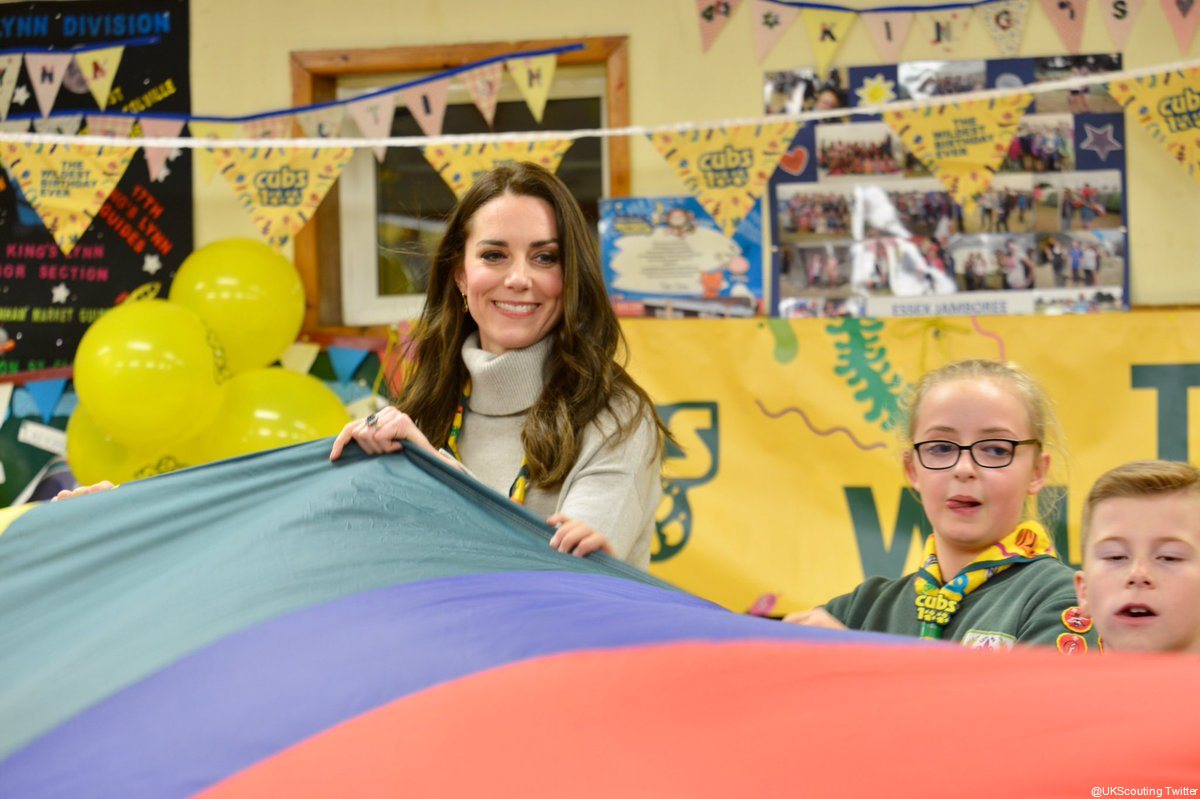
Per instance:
(943,26)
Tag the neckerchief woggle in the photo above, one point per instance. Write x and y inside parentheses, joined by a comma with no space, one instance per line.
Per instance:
(516,492)
(937,603)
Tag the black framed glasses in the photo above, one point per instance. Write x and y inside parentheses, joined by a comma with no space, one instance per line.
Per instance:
(989,453)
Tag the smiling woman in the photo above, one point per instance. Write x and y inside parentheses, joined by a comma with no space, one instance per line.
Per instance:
(516,377)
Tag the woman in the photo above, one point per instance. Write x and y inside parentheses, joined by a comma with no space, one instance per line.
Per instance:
(515,378)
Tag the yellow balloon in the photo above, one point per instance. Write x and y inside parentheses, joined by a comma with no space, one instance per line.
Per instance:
(269,408)
(249,295)
(94,455)
(146,373)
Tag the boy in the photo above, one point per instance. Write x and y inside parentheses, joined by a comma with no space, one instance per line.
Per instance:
(1140,581)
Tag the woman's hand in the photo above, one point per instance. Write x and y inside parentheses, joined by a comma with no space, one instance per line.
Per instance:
(95,488)
(577,538)
(817,617)
(386,431)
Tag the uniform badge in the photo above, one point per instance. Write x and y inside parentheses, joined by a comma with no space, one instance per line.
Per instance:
(1071,644)
(988,641)
(1075,620)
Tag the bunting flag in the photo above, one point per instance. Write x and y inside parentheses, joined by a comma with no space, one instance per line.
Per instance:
(300,356)
(961,143)
(62,124)
(46,394)
(889,31)
(771,21)
(156,157)
(281,188)
(1182,15)
(108,125)
(1168,107)
(322,123)
(946,30)
(460,164)
(1005,22)
(46,72)
(427,104)
(210,130)
(374,119)
(713,15)
(279,625)
(726,169)
(533,77)
(827,29)
(1067,17)
(10,70)
(1119,16)
(6,395)
(99,68)
(483,85)
(272,127)
(66,185)
(15,125)
(345,361)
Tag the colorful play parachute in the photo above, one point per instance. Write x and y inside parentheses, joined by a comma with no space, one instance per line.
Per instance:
(280,626)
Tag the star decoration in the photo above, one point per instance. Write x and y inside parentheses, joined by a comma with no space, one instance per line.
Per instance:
(162,174)
(60,294)
(20,96)
(1100,140)
(876,90)
(151,264)
(770,20)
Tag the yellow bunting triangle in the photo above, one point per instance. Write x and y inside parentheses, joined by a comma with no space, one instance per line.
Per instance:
(210,130)
(1168,107)
(533,77)
(460,164)
(827,30)
(281,188)
(66,185)
(961,143)
(726,169)
(99,67)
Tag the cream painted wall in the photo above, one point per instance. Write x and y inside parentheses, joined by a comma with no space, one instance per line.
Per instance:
(240,66)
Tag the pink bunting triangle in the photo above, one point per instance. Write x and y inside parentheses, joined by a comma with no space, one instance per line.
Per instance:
(46,71)
(713,15)
(1183,16)
(272,127)
(427,103)
(1067,17)
(116,127)
(156,157)
(889,31)
(484,86)
(771,20)
(1119,16)
(374,119)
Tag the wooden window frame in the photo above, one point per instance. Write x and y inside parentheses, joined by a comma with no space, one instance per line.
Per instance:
(315,75)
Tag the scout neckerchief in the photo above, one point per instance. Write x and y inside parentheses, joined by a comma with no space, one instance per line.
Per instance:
(516,491)
(937,603)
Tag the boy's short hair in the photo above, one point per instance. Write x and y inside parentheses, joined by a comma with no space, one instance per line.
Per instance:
(1139,479)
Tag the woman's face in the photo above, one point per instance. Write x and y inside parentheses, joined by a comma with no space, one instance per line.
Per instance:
(512,272)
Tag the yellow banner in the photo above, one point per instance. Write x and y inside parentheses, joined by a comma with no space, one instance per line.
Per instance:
(726,169)
(961,143)
(1168,106)
(790,481)
(827,29)
(66,185)
(281,188)
(533,77)
(460,164)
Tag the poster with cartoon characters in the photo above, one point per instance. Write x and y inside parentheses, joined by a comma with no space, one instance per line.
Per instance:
(54,285)
(861,226)
(666,257)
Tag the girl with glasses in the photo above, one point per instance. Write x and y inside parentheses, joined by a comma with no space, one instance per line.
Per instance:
(977,439)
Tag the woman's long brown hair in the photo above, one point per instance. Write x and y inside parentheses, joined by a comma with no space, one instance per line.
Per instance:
(583,376)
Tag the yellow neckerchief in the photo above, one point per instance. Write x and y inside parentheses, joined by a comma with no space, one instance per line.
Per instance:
(516,491)
(937,603)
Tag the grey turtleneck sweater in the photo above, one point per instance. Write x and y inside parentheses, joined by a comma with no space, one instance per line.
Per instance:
(614,487)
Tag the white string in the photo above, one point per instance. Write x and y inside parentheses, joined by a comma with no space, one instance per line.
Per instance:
(585,133)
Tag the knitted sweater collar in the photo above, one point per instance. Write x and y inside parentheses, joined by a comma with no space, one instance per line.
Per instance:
(505,384)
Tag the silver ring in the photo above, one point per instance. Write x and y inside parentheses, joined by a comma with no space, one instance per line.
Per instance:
(372,422)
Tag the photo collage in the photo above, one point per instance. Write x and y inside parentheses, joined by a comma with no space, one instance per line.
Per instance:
(864,228)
